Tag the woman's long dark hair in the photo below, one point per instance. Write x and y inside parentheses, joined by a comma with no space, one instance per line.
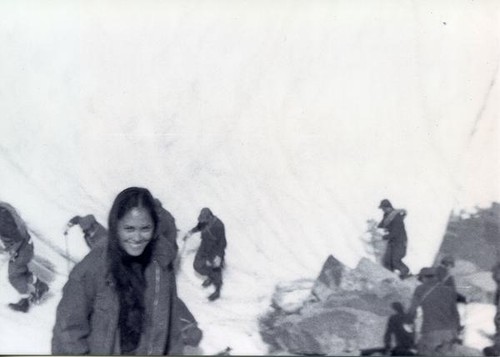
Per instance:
(128,271)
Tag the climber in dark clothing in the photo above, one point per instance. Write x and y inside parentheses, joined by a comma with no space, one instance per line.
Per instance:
(17,242)
(392,222)
(441,321)
(93,231)
(404,340)
(209,259)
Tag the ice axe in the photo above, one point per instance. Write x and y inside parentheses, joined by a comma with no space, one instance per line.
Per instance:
(181,251)
(66,246)
(184,243)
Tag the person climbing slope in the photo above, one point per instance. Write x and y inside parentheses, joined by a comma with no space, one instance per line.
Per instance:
(17,242)
(209,260)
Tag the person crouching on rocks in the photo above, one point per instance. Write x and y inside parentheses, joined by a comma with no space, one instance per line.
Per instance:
(209,259)
(396,330)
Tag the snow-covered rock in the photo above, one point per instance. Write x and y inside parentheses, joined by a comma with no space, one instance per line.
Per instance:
(464,267)
(291,296)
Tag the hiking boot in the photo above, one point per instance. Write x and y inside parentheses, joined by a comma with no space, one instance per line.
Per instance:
(22,305)
(207,282)
(216,294)
(40,290)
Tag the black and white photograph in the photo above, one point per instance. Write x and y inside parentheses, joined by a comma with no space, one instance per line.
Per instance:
(237,177)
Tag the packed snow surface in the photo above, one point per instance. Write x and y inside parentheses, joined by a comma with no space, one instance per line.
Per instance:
(291,121)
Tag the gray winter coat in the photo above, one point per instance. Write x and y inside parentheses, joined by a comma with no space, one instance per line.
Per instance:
(87,315)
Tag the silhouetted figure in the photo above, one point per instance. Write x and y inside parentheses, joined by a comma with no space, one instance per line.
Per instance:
(397,240)
(404,340)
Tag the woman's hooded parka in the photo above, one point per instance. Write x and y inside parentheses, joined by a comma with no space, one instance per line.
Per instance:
(88,313)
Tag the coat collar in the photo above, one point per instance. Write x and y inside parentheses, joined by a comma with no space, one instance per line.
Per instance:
(164,251)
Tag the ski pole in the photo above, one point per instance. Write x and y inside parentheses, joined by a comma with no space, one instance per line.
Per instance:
(183,248)
(181,252)
(67,249)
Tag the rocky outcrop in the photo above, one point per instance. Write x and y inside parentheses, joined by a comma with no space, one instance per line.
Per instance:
(474,241)
(474,238)
(477,287)
(346,311)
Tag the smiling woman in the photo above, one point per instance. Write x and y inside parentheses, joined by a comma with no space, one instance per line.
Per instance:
(135,231)
(121,298)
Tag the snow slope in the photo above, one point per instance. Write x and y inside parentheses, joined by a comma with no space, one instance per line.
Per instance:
(291,121)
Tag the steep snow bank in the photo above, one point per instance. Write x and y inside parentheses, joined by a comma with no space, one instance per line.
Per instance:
(290,122)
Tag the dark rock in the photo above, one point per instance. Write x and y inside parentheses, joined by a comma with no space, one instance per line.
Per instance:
(329,278)
(474,241)
(475,238)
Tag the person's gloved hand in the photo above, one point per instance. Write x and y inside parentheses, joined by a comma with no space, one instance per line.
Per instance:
(408,327)
(68,226)
(13,255)
(217,262)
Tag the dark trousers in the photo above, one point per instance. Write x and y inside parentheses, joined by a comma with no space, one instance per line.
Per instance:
(214,274)
(20,276)
(393,258)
